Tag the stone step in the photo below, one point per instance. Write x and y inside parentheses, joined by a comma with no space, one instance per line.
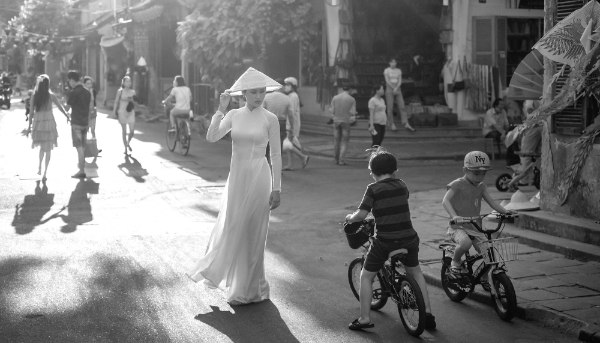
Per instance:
(319,127)
(570,248)
(575,229)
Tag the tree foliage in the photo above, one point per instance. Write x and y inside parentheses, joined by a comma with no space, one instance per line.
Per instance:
(46,17)
(220,34)
(10,9)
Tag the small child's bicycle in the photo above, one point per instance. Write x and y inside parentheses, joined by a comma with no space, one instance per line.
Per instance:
(494,252)
(390,282)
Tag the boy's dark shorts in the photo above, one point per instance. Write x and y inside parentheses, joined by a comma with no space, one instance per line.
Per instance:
(380,249)
(79,136)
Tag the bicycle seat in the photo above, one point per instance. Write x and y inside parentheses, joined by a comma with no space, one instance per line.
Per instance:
(447,246)
(397,252)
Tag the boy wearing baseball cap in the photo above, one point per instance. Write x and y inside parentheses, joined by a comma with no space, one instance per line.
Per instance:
(463,199)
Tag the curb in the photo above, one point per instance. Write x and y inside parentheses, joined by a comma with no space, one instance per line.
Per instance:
(311,152)
(535,313)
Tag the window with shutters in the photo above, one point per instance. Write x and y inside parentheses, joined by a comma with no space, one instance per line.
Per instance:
(573,119)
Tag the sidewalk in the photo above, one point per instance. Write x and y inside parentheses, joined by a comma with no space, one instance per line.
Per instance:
(552,290)
(419,150)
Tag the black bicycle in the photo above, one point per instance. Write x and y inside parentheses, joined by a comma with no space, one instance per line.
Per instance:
(494,253)
(182,133)
(391,282)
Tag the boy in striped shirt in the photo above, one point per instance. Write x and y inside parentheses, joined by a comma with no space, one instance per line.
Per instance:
(387,199)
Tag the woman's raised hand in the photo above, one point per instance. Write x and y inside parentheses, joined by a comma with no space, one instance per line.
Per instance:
(224,101)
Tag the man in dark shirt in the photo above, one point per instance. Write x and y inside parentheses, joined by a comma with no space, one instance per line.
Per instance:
(79,102)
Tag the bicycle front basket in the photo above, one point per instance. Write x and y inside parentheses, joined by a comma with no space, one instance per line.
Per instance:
(502,250)
(357,234)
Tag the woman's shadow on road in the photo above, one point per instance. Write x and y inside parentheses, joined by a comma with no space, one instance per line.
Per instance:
(29,214)
(259,322)
(133,168)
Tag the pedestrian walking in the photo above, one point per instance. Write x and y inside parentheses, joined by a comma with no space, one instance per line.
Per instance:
(182,96)
(343,108)
(393,81)
(124,105)
(42,124)
(377,115)
(88,83)
(280,105)
(78,101)
(234,259)
(293,125)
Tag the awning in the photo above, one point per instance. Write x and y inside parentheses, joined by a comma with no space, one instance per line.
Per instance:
(107,42)
(147,14)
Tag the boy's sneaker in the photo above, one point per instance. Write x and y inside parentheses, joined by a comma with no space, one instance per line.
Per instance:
(430,321)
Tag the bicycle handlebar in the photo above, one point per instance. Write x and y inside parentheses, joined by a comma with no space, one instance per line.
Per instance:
(472,220)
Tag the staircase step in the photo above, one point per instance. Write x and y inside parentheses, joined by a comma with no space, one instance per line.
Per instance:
(579,230)
(564,246)
(421,133)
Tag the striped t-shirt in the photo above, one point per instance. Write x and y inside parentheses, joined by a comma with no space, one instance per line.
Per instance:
(387,199)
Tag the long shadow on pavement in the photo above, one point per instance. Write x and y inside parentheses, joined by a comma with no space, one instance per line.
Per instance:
(29,214)
(79,208)
(133,168)
(102,302)
(260,322)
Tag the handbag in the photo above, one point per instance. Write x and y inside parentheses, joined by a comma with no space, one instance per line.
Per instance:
(130,106)
(91,148)
(456,86)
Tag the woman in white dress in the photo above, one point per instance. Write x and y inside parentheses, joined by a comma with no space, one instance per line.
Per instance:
(234,258)
(125,115)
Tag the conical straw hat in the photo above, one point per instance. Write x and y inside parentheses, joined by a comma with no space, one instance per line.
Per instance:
(504,203)
(252,79)
(536,200)
(519,201)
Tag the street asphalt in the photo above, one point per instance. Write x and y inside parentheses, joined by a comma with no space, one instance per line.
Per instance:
(104,259)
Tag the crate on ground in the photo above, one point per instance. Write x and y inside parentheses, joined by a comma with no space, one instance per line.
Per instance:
(447,119)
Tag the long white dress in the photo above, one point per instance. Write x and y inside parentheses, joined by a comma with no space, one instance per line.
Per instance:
(234,258)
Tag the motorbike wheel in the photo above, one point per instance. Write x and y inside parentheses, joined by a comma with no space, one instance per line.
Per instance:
(502,182)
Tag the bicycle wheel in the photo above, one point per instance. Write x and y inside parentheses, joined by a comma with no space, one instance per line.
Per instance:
(502,182)
(411,305)
(171,137)
(505,301)
(379,295)
(185,137)
(453,292)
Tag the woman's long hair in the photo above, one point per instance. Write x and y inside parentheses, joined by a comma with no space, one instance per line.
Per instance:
(41,92)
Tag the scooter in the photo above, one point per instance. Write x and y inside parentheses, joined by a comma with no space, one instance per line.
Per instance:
(5,97)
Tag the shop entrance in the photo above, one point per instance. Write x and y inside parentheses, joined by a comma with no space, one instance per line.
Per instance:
(402,29)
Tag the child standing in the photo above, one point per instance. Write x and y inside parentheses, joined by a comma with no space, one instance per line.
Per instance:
(463,199)
(387,199)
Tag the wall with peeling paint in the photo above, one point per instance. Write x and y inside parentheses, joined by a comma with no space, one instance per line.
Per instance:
(557,156)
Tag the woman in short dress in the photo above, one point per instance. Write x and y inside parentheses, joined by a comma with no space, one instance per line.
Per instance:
(41,121)
(126,118)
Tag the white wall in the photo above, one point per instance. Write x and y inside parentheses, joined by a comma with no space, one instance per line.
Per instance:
(463,12)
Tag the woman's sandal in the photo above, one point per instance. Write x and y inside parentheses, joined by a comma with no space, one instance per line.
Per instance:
(305,162)
(356,325)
